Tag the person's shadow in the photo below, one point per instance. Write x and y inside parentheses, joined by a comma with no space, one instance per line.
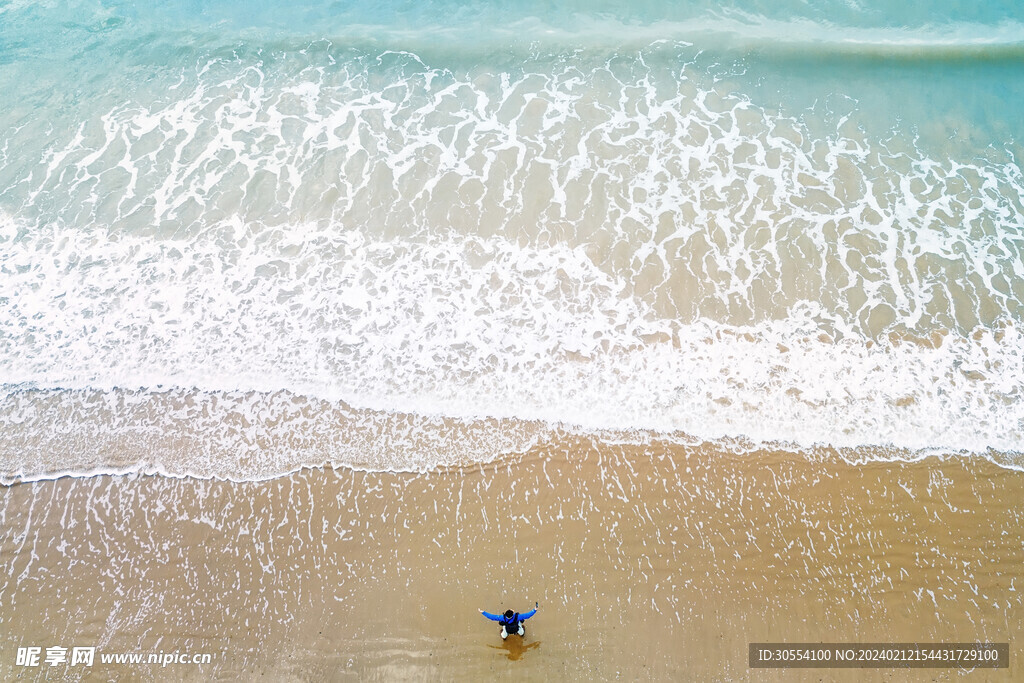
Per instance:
(515,647)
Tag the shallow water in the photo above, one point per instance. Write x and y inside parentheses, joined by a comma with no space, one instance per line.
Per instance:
(791,226)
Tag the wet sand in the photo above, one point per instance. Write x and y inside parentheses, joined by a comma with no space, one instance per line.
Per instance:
(656,561)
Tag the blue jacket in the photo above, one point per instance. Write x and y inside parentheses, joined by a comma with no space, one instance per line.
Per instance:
(501,617)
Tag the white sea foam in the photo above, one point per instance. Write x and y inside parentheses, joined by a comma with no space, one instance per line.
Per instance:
(627,248)
(711,205)
(474,329)
(231,435)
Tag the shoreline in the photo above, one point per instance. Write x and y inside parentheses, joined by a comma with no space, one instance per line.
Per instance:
(251,437)
(819,453)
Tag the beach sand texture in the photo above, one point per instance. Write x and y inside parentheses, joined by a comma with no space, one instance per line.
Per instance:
(652,561)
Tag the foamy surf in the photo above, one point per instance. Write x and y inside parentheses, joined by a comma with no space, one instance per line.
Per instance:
(613,244)
(245,364)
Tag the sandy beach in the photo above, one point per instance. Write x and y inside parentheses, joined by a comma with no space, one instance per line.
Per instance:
(324,325)
(649,562)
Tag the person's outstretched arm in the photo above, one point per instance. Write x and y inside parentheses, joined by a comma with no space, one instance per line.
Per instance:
(492,617)
(524,617)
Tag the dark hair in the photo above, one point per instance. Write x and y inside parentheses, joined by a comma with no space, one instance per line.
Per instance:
(509,614)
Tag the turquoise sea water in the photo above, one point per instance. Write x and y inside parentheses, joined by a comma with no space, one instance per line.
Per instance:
(782,223)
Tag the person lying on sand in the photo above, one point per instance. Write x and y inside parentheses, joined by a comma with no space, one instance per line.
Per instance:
(512,622)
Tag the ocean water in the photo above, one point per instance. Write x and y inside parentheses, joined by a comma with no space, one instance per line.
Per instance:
(237,239)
